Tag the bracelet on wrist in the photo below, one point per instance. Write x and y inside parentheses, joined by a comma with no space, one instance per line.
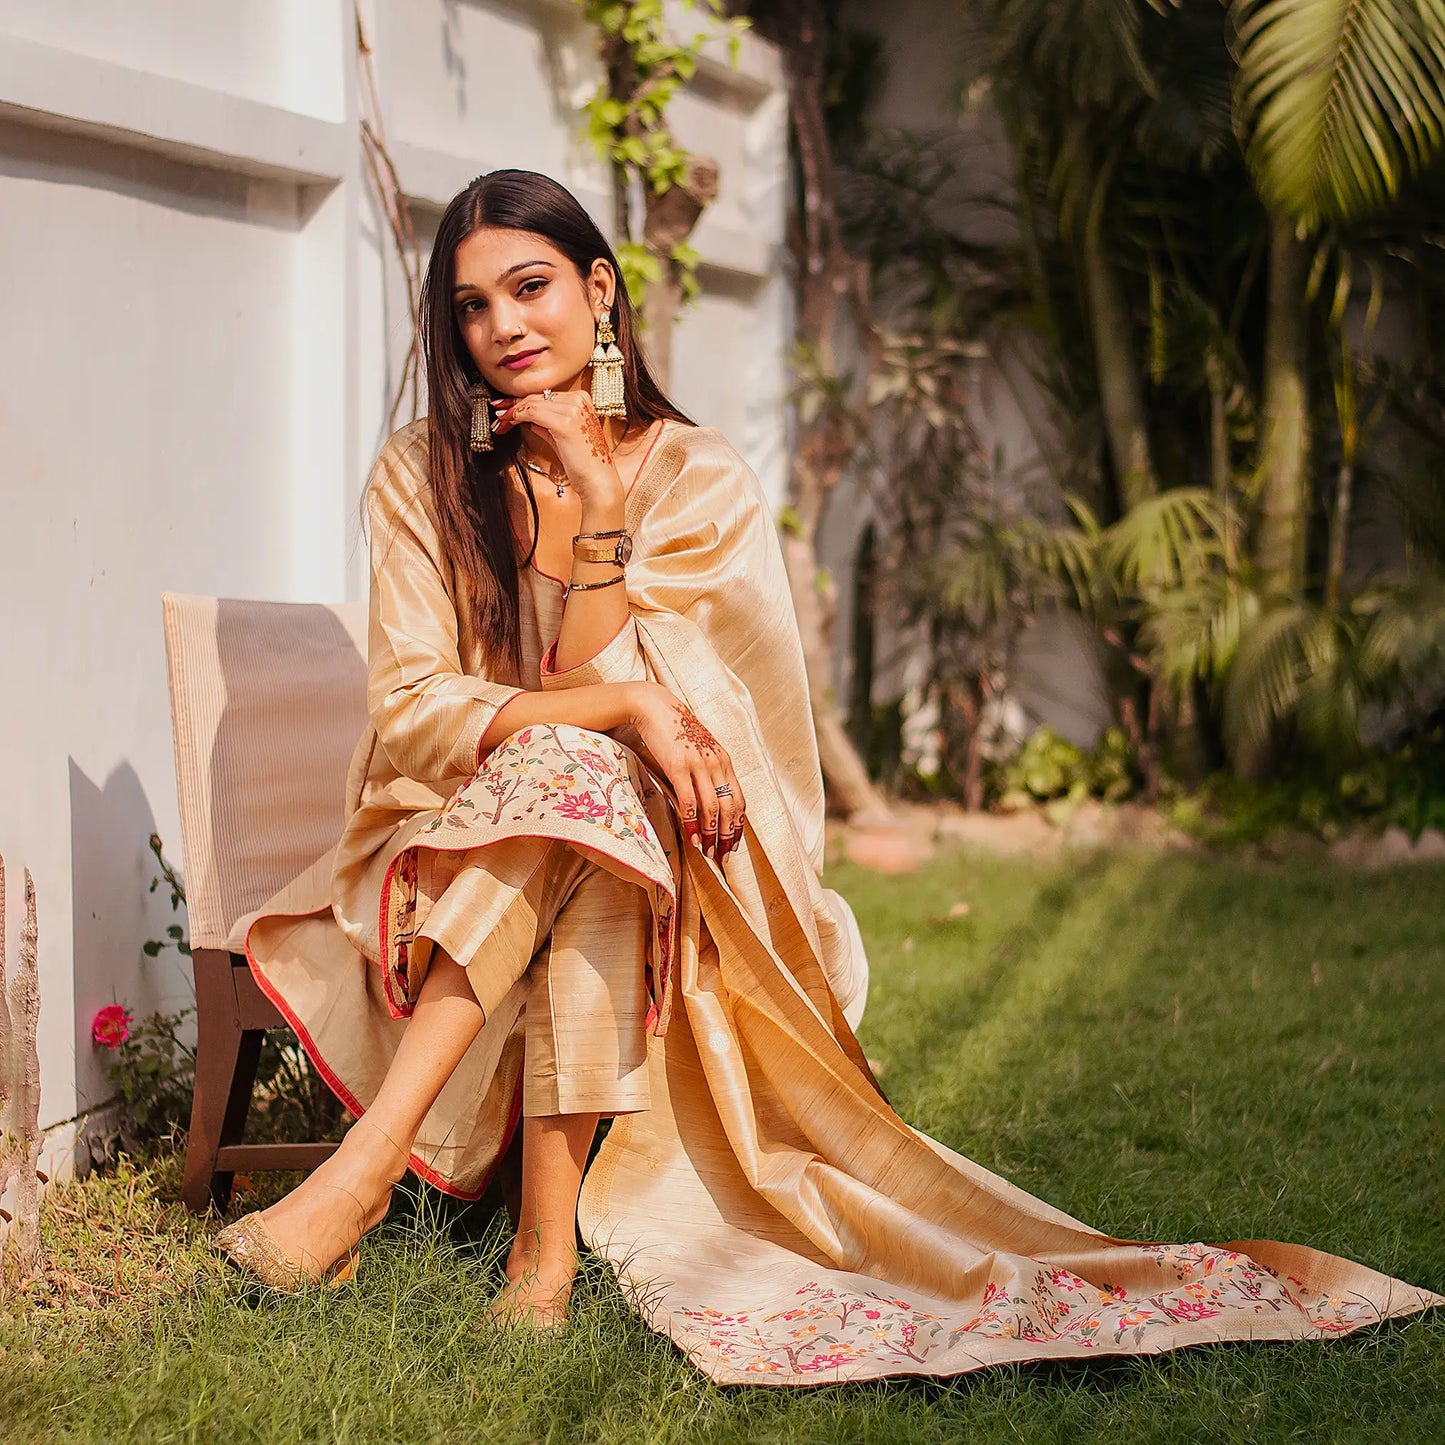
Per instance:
(589,586)
(620,551)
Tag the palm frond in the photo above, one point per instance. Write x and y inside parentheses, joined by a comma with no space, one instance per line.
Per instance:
(974,585)
(1294,662)
(1404,630)
(1190,122)
(1167,541)
(1068,555)
(1193,633)
(1091,48)
(1341,100)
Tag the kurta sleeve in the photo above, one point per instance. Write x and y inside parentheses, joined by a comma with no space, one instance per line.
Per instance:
(619,660)
(428,713)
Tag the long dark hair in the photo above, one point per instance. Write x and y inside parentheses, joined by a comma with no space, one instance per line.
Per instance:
(470,487)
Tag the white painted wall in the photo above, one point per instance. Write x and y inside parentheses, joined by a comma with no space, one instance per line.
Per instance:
(200,327)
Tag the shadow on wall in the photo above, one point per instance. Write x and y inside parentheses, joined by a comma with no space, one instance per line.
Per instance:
(111,868)
(30,153)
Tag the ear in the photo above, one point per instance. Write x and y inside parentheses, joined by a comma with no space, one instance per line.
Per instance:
(601,285)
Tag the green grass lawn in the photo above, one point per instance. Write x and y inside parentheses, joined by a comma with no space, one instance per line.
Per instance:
(1179,1048)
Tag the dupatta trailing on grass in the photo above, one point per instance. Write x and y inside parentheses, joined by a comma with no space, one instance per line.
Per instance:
(770,1211)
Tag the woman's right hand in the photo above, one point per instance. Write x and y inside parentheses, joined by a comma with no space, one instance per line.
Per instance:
(694,762)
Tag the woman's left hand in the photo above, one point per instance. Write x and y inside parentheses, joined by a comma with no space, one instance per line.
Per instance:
(575,431)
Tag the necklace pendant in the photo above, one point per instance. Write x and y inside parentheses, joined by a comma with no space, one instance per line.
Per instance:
(561,489)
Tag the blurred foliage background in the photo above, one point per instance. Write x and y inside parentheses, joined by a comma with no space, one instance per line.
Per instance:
(1222,268)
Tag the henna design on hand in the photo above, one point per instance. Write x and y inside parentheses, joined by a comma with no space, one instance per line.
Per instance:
(592,432)
(690,728)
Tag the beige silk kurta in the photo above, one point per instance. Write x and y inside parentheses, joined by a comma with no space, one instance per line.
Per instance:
(769,1210)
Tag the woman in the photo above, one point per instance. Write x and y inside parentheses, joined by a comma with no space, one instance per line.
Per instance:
(581,877)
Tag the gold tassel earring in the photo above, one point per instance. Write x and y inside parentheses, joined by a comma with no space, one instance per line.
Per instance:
(481,395)
(608,387)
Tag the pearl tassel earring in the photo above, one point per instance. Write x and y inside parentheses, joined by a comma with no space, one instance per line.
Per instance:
(608,387)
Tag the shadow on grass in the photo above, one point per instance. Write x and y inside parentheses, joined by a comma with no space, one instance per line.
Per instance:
(1256,1047)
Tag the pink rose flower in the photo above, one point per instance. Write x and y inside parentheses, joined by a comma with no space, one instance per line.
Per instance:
(110,1026)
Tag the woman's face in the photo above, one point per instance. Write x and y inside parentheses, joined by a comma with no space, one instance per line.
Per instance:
(525,315)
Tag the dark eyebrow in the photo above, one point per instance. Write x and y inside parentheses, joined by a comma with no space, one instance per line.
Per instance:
(510,271)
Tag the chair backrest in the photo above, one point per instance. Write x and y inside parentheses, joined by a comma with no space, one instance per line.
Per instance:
(268,701)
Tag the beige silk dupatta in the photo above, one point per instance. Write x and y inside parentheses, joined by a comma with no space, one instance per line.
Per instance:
(770,1212)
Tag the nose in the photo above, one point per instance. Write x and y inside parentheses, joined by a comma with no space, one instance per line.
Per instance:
(506,323)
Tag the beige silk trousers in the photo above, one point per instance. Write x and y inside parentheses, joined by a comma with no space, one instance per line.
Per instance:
(582,933)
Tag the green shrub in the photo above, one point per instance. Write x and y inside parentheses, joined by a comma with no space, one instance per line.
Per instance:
(153,1070)
(1404,789)
(1050,769)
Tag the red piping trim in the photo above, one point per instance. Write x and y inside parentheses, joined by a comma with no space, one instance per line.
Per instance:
(398,1010)
(548,665)
(417,1165)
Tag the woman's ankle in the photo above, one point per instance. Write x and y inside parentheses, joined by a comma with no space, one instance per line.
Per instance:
(379,1148)
(554,1263)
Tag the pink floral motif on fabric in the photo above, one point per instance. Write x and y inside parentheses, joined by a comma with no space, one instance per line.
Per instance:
(547,780)
(828,1329)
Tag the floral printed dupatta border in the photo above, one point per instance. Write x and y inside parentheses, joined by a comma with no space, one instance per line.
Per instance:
(774,1216)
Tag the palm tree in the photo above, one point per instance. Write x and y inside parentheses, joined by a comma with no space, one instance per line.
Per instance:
(1200,262)
(1339,103)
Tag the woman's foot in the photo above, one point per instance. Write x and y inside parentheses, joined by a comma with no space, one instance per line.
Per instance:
(538,1289)
(340,1200)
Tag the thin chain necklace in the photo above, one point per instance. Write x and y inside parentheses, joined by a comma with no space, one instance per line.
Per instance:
(559,482)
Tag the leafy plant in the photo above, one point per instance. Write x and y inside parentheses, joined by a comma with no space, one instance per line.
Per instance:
(1049,767)
(969,560)
(175,934)
(153,1068)
(1402,788)
(154,1072)
(628,127)
(1218,345)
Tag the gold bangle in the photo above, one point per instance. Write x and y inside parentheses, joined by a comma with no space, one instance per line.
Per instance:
(588,586)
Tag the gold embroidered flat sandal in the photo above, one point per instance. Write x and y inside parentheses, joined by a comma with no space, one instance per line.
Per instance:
(251,1246)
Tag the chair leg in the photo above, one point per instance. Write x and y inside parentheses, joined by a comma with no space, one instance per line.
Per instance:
(226,1058)
(238,1105)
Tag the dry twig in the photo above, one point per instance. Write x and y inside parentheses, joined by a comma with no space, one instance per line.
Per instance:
(397,210)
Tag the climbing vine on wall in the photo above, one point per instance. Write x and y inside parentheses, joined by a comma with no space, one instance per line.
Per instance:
(627,123)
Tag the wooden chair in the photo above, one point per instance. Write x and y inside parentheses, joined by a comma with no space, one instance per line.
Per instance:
(267,700)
